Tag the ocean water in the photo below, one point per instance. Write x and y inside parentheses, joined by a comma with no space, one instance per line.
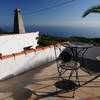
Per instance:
(68,31)
(89,32)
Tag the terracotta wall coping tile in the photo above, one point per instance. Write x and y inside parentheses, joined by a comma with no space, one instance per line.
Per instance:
(19,53)
(7,56)
(30,51)
(51,46)
(46,47)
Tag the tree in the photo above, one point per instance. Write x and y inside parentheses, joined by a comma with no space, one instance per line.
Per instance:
(94,9)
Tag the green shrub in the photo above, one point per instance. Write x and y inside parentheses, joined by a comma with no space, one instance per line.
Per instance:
(46,40)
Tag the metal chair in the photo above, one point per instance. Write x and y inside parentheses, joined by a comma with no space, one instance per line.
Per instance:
(66,63)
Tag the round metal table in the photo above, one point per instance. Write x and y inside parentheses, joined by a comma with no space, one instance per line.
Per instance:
(79,45)
(78,49)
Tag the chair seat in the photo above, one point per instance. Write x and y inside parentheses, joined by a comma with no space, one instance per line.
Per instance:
(70,65)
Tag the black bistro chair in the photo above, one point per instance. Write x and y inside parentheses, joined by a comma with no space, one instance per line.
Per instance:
(66,63)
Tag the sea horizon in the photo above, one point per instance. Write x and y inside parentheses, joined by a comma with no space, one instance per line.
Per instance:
(63,31)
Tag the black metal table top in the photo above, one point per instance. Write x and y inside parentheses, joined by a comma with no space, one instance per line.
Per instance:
(78,45)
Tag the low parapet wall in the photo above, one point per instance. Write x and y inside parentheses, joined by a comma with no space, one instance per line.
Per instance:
(14,64)
(14,43)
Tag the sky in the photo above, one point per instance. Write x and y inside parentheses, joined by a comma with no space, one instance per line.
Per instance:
(69,14)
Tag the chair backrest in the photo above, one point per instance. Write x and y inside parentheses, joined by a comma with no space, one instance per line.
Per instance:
(65,56)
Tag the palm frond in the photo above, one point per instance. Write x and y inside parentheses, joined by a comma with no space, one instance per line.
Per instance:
(94,9)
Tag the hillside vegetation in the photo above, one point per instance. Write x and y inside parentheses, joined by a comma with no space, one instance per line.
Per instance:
(45,40)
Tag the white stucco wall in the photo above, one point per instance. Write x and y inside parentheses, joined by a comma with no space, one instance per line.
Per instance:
(15,43)
(13,66)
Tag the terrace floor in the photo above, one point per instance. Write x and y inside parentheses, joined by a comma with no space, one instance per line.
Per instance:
(39,84)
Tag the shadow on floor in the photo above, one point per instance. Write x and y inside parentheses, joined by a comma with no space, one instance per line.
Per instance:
(50,94)
(64,87)
(15,87)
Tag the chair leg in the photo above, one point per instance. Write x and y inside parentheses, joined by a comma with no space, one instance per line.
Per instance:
(71,74)
(86,71)
(61,72)
(77,77)
(73,93)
